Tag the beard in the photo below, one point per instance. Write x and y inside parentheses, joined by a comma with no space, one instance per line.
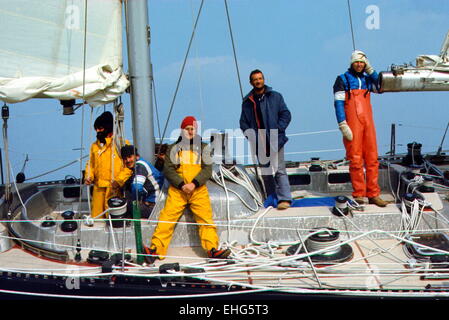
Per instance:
(101,136)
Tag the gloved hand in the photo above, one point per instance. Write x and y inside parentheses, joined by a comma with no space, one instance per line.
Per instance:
(345,130)
(368,68)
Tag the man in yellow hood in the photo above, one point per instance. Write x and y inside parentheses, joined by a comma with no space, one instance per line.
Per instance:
(104,165)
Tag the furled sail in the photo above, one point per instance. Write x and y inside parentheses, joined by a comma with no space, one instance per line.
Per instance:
(431,73)
(46,50)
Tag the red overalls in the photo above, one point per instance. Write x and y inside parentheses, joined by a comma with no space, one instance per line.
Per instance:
(362,150)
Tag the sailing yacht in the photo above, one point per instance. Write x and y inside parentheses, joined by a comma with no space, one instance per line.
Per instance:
(325,245)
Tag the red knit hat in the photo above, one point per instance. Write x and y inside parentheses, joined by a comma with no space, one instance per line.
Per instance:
(189,121)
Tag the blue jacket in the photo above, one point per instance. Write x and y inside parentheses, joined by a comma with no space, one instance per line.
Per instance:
(274,111)
(146,182)
(351,80)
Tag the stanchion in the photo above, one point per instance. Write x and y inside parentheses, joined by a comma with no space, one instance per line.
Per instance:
(138,232)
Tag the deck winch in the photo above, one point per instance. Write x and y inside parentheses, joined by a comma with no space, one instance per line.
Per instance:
(341,206)
(117,210)
(97,256)
(414,156)
(409,200)
(320,240)
(315,165)
(69,225)
(427,185)
(422,245)
(48,222)
(413,170)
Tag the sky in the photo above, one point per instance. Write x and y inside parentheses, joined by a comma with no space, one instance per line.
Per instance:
(301,46)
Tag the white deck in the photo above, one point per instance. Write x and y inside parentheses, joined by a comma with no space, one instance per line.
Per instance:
(368,269)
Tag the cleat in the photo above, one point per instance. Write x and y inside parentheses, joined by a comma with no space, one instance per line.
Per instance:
(282,205)
(150,255)
(218,254)
(377,201)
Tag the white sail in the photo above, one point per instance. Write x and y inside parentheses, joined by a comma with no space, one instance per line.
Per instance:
(46,53)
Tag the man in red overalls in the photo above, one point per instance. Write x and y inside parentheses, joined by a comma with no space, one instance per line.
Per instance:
(355,120)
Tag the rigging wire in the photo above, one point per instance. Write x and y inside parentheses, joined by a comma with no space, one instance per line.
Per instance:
(59,168)
(350,22)
(88,165)
(233,47)
(82,113)
(182,70)
(157,112)
(5,143)
(198,66)
(84,91)
(442,140)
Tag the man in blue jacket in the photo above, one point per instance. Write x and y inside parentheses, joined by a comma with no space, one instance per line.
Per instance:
(145,183)
(263,120)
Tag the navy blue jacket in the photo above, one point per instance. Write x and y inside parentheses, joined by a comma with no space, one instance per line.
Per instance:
(274,112)
(146,181)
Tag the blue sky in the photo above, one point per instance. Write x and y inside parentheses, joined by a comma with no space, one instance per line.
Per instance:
(301,46)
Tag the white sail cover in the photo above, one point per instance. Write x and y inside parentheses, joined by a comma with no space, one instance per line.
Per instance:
(44,54)
(433,62)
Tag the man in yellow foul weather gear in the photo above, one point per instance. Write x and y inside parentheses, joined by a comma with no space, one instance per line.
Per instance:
(188,166)
(103,158)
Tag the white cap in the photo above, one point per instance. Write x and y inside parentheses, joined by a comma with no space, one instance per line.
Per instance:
(358,55)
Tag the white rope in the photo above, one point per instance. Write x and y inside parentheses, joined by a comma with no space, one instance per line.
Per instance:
(277,261)
(228,214)
(369,238)
(241,180)
(112,233)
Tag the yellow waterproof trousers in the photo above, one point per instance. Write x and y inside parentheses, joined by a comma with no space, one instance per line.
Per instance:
(100,197)
(201,208)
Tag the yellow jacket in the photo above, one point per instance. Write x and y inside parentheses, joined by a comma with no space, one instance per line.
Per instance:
(186,163)
(98,168)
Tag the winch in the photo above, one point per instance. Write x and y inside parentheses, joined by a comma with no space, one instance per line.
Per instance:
(409,199)
(320,240)
(117,210)
(315,165)
(421,244)
(414,156)
(427,185)
(97,257)
(341,206)
(69,225)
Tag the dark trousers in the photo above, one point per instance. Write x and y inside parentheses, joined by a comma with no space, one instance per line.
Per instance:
(145,207)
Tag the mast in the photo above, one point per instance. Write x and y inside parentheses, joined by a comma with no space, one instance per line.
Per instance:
(140,74)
